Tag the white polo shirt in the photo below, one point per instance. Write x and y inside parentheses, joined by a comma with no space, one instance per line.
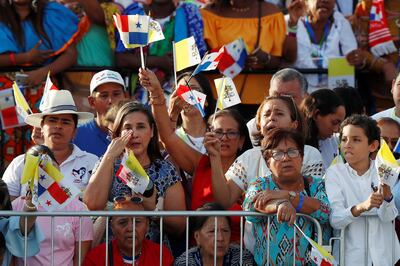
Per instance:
(78,167)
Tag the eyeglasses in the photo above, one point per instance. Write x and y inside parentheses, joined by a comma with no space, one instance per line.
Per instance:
(278,155)
(124,199)
(229,135)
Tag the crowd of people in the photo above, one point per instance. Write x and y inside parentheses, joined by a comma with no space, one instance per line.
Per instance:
(307,150)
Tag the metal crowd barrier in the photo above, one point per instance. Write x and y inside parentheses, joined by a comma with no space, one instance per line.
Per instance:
(161,215)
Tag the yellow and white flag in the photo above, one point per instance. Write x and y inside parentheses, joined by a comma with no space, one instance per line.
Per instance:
(386,165)
(186,53)
(23,108)
(227,93)
(132,173)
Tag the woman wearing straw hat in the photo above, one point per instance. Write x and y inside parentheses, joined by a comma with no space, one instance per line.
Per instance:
(58,124)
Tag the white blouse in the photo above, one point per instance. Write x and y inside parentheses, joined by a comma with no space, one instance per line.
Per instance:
(340,42)
(345,188)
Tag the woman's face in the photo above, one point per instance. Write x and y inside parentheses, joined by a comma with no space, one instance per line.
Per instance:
(329,124)
(188,109)
(275,114)
(229,145)
(321,9)
(138,124)
(286,168)
(122,231)
(205,237)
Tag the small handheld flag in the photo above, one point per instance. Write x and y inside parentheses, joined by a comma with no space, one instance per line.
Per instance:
(209,62)
(9,114)
(22,106)
(133,29)
(319,255)
(386,165)
(192,97)
(227,93)
(233,58)
(187,54)
(132,173)
(47,88)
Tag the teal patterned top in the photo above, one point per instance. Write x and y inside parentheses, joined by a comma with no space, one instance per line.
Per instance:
(281,234)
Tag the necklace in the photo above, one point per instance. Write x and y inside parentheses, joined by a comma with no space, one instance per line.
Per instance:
(241,9)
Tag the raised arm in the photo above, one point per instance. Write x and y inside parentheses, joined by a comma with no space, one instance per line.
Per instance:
(182,154)
(225,192)
(96,193)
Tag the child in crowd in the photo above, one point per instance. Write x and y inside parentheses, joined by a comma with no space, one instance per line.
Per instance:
(353,188)
(323,112)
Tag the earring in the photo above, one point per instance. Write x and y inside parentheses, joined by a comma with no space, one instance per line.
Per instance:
(35,5)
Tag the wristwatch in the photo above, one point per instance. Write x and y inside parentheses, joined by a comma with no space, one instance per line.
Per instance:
(292,195)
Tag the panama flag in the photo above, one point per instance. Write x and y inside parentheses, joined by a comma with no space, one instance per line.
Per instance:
(319,255)
(386,165)
(53,195)
(209,62)
(233,58)
(9,116)
(192,97)
(47,88)
(186,53)
(132,173)
(133,29)
(227,93)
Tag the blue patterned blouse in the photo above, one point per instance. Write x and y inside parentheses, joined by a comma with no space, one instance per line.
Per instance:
(281,235)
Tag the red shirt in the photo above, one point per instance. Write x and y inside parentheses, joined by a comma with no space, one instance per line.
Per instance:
(150,255)
(202,193)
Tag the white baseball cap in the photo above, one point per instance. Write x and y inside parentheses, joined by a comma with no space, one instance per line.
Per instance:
(105,76)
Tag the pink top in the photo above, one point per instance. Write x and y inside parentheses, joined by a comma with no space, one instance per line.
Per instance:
(66,234)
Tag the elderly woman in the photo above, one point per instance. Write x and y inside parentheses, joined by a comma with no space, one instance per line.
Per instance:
(120,248)
(204,234)
(321,34)
(285,192)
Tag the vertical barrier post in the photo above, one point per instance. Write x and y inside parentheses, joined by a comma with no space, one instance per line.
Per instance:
(161,238)
(187,240)
(134,240)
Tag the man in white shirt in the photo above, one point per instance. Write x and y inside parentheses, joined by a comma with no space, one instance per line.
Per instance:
(393,112)
(58,123)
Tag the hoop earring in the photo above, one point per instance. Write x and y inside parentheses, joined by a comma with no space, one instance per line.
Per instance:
(35,5)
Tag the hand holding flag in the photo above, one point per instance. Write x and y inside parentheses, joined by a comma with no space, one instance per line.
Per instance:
(132,173)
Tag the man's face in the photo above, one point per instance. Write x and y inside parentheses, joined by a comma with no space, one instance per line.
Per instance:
(105,96)
(58,129)
(289,88)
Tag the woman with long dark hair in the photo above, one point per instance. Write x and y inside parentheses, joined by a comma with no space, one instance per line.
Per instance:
(37,32)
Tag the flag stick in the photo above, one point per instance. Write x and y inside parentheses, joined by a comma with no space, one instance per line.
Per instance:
(174,57)
(142,57)
(219,93)
(191,75)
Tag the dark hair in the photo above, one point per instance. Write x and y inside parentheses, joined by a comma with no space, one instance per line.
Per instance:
(387,120)
(244,132)
(5,200)
(295,115)
(74,118)
(11,19)
(206,89)
(322,102)
(366,123)
(41,149)
(2,245)
(197,222)
(153,149)
(277,135)
(351,99)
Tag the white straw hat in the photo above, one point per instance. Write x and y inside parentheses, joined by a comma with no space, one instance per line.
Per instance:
(105,76)
(59,102)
